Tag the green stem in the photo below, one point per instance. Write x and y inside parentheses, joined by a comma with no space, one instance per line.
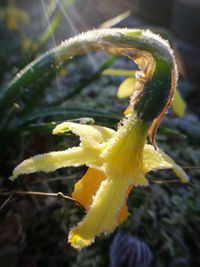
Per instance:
(119,42)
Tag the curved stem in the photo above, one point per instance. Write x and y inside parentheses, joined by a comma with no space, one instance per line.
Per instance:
(157,90)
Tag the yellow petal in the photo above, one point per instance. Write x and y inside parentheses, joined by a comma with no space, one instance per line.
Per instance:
(178,104)
(126,87)
(91,136)
(87,187)
(128,110)
(124,153)
(102,215)
(123,214)
(159,160)
(51,161)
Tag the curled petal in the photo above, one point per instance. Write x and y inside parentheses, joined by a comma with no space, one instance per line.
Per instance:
(90,135)
(51,161)
(123,213)
(157,159)
(128,110)
(85,189)
(102,215)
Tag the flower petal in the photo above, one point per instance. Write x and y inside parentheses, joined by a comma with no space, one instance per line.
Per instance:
(128,110)
(90,135)
(178,104)
(159,160)
(123,155)
(123,214)
(51,161)
(102,215)
(126,87)
(85,189)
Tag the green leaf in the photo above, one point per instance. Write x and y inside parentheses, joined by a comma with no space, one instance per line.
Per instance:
(71,113)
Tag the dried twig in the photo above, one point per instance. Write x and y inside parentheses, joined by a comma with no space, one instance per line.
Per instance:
(6,201)
(19,192)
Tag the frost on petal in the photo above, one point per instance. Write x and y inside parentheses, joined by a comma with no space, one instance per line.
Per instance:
(102,215)
(123,155)
(51,161)
(123,213)
(90,135)
(154,160)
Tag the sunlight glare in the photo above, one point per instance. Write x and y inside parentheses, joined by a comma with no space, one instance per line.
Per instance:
(58,83)
(92,60)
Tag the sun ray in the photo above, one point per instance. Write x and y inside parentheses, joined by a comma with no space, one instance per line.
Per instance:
(92,59)
(58,83)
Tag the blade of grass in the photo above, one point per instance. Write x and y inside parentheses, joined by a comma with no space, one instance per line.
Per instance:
(71,113)
(50,29)
(78,115)
(113,21)
(168,131)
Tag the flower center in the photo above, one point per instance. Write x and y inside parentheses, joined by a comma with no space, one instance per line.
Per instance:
(124,151)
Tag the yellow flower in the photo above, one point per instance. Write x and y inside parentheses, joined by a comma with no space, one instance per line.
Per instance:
(117,161)
(13,16)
